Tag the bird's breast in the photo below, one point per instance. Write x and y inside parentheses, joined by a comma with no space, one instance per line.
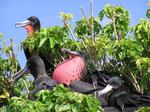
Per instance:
(69,70)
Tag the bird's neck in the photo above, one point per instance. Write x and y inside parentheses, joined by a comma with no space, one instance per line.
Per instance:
(41,76)
(30,30)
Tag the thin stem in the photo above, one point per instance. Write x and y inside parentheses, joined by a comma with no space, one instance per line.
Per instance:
(135,83)
(91,22)
(12,57)
(83,12)
(115,30)
(74,38)
(26,86)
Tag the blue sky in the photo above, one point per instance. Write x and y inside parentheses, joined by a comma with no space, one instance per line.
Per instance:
(12,11)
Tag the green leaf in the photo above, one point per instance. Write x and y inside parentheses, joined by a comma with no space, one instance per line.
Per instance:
(143,109)
(148,13)
(62,107)
(42,42)
(52,42)
(101,15)
(1,34)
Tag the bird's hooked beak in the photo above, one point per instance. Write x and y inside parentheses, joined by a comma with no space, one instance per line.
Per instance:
(71,53)
(21,73)
(23,24)
(105,90)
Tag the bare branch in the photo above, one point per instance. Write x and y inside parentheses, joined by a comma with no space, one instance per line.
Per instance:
(91,22)
(83,12)
(115,30)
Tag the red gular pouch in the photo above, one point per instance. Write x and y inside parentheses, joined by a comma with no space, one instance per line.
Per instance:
(29,29)
(70,69)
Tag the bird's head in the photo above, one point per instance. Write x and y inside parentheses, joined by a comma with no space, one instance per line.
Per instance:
(114,83)
(72,54)
(32,24)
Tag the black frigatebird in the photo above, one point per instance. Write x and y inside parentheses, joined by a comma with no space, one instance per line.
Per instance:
(71,69)
(32,24)
(114,97)
(118,97)
(36,67)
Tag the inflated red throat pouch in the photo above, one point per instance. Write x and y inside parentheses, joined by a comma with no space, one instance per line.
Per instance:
(69,70)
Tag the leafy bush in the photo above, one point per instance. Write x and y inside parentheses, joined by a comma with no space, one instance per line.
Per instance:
(142,35)
(60,99)
(143,109)
(143,64)
(82,28)
(119,20)
(50,41)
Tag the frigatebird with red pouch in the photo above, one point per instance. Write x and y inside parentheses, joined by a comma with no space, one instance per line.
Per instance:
(32,24)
